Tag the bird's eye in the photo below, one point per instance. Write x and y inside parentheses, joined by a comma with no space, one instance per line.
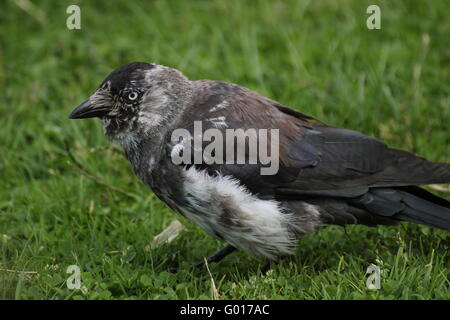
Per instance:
(133,96)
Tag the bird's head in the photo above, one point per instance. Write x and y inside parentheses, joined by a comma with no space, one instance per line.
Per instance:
(135,99)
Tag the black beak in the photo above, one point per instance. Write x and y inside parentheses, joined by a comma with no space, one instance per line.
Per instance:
(87,110)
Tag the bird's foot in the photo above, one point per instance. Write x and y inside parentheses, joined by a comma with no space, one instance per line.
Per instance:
(266,267)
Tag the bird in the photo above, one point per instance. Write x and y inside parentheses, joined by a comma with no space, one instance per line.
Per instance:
(325,175)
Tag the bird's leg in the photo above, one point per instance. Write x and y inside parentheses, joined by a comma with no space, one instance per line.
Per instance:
(265,268)
(217,256)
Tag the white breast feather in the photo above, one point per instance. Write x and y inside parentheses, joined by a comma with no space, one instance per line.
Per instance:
(261,227)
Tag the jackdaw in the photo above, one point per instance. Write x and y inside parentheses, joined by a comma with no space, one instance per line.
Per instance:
(325,175)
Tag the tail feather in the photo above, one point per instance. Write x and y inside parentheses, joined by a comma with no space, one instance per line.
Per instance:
(410,203)
(423,211)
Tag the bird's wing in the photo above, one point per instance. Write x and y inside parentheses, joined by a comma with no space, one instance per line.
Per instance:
(314,159)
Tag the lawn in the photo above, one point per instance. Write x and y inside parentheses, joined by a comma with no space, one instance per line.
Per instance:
(69,197)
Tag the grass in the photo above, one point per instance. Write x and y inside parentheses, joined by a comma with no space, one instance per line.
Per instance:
(316,56)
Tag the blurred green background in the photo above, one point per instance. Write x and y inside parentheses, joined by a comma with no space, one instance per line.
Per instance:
(91,211)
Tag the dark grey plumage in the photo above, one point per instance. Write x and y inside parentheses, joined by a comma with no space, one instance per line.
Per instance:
(327,175)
